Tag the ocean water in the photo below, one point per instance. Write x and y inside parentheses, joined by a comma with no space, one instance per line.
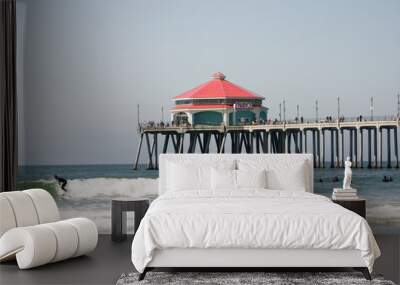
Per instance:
(91,188)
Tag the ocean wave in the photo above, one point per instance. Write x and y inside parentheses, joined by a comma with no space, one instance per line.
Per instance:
(109,187)
(386,213)
(100,216)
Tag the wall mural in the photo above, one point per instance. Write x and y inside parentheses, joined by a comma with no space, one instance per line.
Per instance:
(81,78)
(87,189)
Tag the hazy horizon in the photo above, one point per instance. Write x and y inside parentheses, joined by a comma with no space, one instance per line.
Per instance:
(84,65)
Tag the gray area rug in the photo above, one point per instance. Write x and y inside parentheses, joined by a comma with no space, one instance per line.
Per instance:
(228,278)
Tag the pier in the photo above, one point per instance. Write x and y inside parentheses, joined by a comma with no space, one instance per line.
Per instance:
(220,116)
(361,140)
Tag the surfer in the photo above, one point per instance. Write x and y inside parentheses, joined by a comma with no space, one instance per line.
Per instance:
(387,178)
(61,181)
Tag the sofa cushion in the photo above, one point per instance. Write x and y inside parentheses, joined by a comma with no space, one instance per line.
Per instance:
(23,208)
(67,240)
(7,220)
(46,207)
(26,208)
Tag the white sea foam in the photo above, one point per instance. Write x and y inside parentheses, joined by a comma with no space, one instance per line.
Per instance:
(100,216)
(89,198)
(109,187)
(384,213)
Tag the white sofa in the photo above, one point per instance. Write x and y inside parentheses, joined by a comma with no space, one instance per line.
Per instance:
(31,231)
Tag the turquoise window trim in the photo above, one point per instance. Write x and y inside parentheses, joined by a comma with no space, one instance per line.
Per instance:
(249,115)
(213,118)
(263,115)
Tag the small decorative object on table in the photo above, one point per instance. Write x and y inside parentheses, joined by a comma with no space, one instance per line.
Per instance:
(347,197)
(345,193)
(348,173)
(119,207)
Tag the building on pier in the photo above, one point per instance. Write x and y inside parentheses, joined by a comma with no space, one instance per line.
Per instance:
(218,102)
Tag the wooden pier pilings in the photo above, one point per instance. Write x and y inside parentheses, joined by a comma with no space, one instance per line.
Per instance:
(343,139)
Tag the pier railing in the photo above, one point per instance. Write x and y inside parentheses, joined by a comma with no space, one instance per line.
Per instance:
(282,137)
(148,126)
(345,122)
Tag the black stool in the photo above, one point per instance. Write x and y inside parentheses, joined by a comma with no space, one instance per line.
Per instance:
(119,207)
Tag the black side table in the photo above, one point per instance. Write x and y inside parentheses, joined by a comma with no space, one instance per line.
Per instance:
(119,207)
(357,206)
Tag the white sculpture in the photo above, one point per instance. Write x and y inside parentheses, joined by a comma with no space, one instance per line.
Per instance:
(347,174)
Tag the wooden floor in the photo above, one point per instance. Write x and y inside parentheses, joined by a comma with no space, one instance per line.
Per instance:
(111,259)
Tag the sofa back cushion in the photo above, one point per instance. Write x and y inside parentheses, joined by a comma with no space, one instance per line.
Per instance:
(26,208)
(284,171)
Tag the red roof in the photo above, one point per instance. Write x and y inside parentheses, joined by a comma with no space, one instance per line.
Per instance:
(218,87)
(202,106)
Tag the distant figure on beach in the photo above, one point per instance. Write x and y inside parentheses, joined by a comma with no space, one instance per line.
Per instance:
(61,181)
(387,178)
(347,174)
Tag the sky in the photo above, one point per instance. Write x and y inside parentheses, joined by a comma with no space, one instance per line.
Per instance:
(84,65)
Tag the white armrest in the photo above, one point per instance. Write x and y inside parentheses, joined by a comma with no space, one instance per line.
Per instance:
(33,246)
(40,244)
